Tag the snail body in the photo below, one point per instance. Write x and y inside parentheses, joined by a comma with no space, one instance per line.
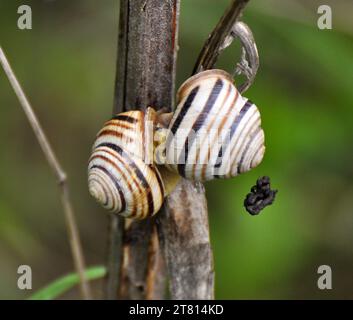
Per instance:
(214,131)
(121,173)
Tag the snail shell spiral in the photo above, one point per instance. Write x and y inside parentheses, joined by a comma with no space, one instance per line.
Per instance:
(121,174)
(214,132)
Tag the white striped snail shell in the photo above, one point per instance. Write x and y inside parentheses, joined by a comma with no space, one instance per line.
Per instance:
(214,131)
(121,173)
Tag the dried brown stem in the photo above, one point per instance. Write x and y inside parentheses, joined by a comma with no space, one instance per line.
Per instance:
(213,46)
(184,228)
(184,235)
(72,230)
(145,77)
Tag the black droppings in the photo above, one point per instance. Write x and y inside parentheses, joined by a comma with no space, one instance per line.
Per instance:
(260,196)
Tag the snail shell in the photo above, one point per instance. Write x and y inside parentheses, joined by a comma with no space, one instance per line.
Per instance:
(121,173)
(214,132)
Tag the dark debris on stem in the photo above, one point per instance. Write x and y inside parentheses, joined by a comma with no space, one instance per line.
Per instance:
(260,196)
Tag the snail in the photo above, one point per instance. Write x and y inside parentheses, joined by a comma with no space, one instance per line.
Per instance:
(214,131)
(139,156)
(121,173)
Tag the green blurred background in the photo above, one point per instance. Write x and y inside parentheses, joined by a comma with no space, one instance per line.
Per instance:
(66,65)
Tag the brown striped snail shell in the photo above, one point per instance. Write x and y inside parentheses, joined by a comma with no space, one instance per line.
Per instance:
(121,173)
(214,131)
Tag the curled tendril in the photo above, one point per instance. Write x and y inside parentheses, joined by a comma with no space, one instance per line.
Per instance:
(249,62)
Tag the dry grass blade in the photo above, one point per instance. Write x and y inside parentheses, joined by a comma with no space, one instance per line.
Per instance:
(59,173)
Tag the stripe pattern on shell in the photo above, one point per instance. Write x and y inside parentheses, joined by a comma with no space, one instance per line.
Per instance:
(121,173)
(214,132)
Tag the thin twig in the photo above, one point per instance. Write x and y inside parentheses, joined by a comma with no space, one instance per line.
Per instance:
(183,227)
(115,257)
(145,75)
(117,223)
(59,173)
(228,29)
(185,239)
(214,44)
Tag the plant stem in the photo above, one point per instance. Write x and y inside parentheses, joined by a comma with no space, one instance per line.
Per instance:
(184,227)
(213,45)
(145,77)
(72,230)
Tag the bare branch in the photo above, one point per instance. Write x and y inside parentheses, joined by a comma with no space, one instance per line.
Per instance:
(215,43)
(115,257)
(228,29)
(59,173)
(184,228)
(145,77)
(156,276)
(184,234)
